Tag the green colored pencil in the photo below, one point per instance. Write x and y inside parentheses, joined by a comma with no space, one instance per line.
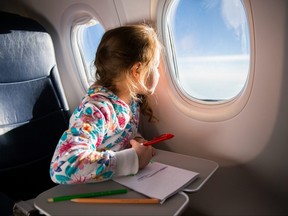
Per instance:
(93,194)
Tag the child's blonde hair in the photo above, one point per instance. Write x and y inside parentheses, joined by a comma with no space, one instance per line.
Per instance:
(119,50)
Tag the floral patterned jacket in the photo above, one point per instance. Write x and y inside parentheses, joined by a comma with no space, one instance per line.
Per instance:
(95,147)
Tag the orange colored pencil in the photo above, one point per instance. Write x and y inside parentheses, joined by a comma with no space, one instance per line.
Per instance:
(117,201)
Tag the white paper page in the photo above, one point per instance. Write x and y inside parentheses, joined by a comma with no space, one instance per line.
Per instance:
(158,180)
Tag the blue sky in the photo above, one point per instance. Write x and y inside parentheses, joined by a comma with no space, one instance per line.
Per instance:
(212,47)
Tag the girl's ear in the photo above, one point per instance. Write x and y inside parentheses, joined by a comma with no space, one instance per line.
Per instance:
(136,70)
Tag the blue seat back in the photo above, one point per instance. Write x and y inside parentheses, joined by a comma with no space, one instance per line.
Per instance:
(33,108)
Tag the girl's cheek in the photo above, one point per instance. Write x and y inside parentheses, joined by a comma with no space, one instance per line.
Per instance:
(154,80)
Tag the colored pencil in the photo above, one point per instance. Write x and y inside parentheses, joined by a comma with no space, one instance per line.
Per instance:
(158,139)
(84,195)
(117,201)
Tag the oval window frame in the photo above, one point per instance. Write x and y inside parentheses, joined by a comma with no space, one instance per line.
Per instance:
(192,107)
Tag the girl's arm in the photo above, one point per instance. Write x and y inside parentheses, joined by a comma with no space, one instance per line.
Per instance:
(77,158)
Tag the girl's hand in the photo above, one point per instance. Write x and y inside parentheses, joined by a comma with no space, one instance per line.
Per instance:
(144,153)
(142,140)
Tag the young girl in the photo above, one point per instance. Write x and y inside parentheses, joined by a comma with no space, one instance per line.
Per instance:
(102,139)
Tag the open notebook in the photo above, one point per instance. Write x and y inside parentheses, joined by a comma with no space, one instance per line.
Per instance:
(158,180)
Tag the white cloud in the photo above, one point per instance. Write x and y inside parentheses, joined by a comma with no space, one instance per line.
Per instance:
(234,17)
(217,58)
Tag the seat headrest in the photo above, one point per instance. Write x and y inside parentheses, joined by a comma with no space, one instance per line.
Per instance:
(26,49)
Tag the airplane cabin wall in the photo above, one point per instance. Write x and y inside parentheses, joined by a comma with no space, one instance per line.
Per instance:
(250,148)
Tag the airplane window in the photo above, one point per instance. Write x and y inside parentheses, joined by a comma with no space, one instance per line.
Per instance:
(88,39)
(211,48)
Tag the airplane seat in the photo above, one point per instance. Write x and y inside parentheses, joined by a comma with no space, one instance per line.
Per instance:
(33,108)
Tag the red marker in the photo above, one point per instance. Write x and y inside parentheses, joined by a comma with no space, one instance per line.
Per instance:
(158,139)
